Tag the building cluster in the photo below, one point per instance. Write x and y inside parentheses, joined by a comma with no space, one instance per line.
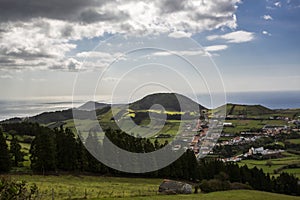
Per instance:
(204,138)
(263,152)
(240,140)
(275,129)
(256,153)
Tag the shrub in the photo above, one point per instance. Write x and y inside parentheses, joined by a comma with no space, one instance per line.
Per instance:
(214,185)
(16,190)
(240,186)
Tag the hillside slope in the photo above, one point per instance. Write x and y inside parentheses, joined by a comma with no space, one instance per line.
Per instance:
(250,110)
(170,101)
(92,105)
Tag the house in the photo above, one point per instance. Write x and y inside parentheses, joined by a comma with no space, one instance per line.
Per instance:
(228,124)
(264,153)
(254,151)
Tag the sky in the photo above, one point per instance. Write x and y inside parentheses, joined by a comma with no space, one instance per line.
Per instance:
(56,49)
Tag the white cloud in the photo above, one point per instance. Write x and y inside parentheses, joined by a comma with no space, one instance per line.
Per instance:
(41,35)
(277,4)
(97,59)
(234,37)
(266,33)
(180,53)
(38,79)
(267,17)
(110,79)
(215,48)
(179,34)
(98,54)
(6,76)
(34,44)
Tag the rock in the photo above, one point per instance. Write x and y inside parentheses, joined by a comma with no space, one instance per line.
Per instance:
(175,187)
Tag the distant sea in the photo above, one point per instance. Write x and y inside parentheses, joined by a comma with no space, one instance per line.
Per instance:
(273,100)
(26,108)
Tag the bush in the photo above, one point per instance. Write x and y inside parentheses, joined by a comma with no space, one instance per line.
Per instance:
(240,186)
(16,190)
(214,185)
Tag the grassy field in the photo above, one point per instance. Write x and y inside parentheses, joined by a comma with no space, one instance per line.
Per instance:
(92,187)
(276,163)
(25,148)
(246,125)
(227,195)
(71,187)
(295,171)
(294,141)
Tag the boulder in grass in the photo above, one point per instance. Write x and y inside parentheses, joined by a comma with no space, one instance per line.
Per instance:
(175,187)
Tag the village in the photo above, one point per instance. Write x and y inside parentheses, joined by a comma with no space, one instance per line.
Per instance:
(205,140)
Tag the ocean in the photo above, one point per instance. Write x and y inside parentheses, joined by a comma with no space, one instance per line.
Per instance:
(26,108)
(273,100)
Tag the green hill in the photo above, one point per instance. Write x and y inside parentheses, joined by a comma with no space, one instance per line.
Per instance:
(248,110)
(170,101)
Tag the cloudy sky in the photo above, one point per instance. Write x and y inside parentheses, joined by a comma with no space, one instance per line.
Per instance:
(44,44)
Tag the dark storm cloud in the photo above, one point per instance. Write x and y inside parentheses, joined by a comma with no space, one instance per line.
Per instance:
(25,55)
(91,15)
(14,10)
(5,60)
(223,7)
(169,6)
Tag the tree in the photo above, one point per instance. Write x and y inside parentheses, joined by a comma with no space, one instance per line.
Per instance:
(43,151)
(81,153)
(15,150)
(269,163)
(4,154)
(65,149)
(94,149)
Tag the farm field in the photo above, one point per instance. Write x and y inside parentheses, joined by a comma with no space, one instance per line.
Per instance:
(294,141)
(246,125)
(275,164)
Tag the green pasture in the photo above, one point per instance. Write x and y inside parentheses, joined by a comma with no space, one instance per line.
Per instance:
(226,195)
(108,188)
(275,164)
(78,187)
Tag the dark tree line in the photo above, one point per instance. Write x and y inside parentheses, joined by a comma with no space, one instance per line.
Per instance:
(5,159)
(9,157)
(22,128)
(15,151)
(256,178)
(61,150)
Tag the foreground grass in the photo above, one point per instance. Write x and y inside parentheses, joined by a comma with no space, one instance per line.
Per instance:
(226,195)
(78,187)
(108,188)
